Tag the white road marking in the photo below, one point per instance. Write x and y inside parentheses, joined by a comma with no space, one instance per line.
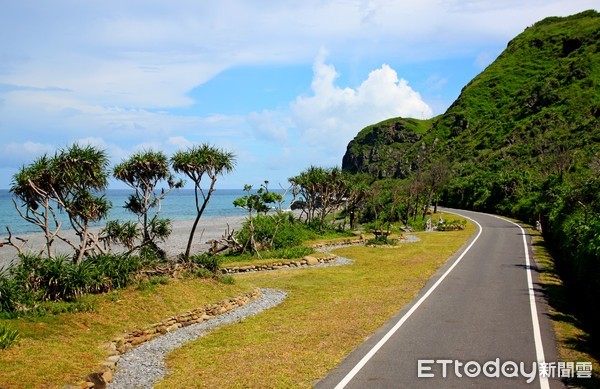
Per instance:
(537,334)
(403,319)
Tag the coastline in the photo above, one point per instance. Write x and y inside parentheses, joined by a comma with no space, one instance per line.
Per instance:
(208,228)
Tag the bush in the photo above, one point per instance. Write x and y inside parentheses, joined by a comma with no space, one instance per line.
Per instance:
(211,263)
(37,279)
(9,292)
(453,225)
(7,336)
(276,231)
(380,240)
(114,271)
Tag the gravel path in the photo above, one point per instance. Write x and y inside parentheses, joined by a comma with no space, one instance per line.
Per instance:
(144,365)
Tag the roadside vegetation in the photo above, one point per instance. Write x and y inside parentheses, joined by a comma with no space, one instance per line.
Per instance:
(328,310)
(572,338)
(522,140)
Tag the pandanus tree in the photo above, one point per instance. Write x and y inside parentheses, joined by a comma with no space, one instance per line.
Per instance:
(322,191)
(70,182)
(196,163)
(143,172)
(32,186)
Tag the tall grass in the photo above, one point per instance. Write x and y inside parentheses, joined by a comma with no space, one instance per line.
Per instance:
(8,336)
(35,280)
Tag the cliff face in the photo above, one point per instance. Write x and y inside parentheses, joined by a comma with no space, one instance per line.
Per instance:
(384,150)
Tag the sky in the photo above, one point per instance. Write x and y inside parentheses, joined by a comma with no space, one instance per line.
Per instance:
(281,84)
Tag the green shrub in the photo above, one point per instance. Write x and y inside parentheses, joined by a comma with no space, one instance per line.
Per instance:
(380,240)
(276,231)
(8,336)
(114,271)
(452,225)
(9,292)
(209,262)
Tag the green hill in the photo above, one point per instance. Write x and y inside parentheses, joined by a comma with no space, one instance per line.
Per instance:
(522,140)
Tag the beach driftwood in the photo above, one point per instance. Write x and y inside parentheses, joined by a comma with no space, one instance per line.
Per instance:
(227,241)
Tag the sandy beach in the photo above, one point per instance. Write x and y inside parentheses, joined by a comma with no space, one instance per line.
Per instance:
(208,229)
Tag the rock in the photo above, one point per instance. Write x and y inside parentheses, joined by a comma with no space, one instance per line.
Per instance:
(97,380)
(113,358)
(311,260)
(137,340)
(107,376)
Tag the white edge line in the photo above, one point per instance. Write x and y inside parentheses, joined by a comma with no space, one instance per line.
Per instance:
(537,334)
(403,319)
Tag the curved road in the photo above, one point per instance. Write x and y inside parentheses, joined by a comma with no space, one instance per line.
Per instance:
(480,317)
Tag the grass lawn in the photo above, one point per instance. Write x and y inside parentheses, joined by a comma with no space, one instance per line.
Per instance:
(573,342)
(328,312)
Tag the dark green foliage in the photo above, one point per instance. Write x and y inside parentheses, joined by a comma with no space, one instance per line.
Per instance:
(114,271)
(211,263)
(320,192)
(35,280)
(275,231)
(9,292)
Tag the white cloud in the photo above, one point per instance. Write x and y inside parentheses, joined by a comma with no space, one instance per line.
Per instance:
(332,116)
(123,72)
(269,125)
(15,154)
(179,142)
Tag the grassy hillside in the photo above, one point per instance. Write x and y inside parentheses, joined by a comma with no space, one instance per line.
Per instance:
(523,140)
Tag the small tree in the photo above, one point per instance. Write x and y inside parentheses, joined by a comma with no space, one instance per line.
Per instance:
(196,162)
(322,191)
(258,202)
(143,172)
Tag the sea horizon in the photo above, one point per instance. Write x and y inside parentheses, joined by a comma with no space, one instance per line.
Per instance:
(179,204)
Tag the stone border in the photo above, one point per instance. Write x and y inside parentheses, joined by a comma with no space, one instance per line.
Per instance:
(279,265)
(122,344)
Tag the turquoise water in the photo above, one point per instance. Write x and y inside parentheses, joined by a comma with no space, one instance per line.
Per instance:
(178,205)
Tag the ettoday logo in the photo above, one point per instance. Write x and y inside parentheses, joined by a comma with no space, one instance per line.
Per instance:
(507,369)
(472,369)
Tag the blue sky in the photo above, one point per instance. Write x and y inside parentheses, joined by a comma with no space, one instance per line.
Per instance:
(282,84)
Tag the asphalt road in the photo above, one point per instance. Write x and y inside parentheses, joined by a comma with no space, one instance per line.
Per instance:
(476,311)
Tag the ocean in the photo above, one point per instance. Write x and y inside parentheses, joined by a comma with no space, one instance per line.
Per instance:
(179,204)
